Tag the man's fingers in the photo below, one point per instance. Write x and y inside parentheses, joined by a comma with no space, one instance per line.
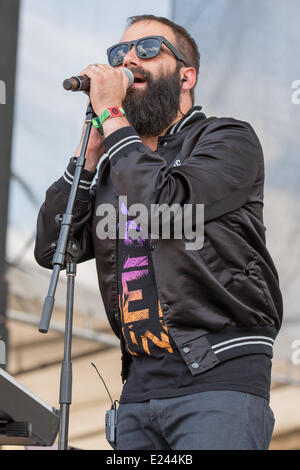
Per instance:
(88,72)
(98,68)
(94,70)
(108,85)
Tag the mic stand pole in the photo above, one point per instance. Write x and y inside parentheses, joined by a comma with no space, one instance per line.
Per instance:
(66,250)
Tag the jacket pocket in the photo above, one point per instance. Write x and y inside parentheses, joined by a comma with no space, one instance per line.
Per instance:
(217,266)
(248,287)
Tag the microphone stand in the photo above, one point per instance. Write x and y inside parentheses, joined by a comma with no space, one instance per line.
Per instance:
(65,250)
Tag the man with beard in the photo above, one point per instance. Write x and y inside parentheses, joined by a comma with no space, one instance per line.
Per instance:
(197,327)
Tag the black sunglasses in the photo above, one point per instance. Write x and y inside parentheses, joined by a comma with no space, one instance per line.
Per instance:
(146,48)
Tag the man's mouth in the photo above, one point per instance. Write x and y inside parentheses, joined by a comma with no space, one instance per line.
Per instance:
(139,80)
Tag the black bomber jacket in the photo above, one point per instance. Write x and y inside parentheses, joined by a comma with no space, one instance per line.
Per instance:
(218,302)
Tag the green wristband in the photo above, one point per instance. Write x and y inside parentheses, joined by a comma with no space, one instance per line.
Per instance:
(115,111)
(98,125)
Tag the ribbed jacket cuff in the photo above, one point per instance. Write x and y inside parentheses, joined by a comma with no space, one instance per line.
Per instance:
(87,177)
(120,142)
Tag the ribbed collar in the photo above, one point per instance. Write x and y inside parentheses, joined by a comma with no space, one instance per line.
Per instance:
(194,114)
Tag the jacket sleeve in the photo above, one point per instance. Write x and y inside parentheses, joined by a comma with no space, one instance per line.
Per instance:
(223,164)
(56,203)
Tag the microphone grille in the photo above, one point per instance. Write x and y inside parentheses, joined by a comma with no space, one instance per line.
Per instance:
(67,84)
(130,76)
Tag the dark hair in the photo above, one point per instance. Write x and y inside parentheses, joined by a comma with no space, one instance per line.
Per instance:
(184,41)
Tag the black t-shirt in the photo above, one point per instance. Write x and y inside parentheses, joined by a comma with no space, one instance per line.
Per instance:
(157,369)
(169,377)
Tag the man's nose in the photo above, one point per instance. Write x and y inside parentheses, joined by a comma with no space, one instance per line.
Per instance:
(131,58)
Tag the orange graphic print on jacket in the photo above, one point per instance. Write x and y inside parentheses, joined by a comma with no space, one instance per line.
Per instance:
(142,319)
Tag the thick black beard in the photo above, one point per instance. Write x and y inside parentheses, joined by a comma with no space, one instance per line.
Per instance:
(153,110)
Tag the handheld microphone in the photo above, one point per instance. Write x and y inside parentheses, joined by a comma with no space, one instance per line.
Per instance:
(82,82)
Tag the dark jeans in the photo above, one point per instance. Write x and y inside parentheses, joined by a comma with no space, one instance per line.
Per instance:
(217,420)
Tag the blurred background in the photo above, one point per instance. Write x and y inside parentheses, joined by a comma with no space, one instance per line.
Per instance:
(250,70)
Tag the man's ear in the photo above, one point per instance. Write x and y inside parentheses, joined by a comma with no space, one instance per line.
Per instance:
(188,78)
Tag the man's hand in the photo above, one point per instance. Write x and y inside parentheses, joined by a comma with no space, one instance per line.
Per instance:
(108,86)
